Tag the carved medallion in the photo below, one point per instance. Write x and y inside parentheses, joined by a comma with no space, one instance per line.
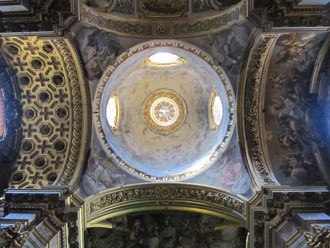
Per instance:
(164,111)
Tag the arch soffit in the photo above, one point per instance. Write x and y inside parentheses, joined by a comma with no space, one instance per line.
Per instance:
(162,197)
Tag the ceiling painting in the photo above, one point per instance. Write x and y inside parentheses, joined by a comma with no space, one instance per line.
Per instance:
(164,130)
(287,103)
(227,48)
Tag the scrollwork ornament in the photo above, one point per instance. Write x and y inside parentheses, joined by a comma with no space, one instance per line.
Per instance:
(151,194)
(11,236)
(320,238)
(157,27)
(251,109)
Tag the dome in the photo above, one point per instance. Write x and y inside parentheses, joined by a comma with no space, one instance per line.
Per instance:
(164,112)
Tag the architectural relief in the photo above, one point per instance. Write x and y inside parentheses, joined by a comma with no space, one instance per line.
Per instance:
(49,17)
(183,27)
(52,218)
(158,8)
(272,13)
(275,212)
(167,229)
(167,196)
(51,85)
(11,236)
(320,238)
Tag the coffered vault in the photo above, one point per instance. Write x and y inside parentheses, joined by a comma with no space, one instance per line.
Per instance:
(156,123)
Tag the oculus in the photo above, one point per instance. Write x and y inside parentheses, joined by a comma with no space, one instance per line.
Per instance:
(113,113)
(164,111)
(164,59)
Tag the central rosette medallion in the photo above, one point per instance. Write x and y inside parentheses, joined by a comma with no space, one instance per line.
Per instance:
(164,111)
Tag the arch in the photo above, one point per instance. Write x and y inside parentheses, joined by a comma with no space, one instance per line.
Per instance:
(162,197)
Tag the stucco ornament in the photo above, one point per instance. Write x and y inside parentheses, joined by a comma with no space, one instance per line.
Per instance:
(164,111)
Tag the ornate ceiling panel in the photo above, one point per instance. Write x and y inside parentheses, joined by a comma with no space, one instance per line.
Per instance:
(37,17)
(55,111)
(163,18)
(276,13)
(273,215)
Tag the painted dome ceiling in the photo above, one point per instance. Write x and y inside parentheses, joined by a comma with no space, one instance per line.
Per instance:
(163,112)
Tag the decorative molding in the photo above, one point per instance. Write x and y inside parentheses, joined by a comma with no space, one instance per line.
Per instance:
(273,206)
(177,104)
(164,43)
(159,27)
(55,208)
(249,121)
(149,197)
(50,17)
(12,237)
(163,8)
(273,13)
(320,238)
(55,119)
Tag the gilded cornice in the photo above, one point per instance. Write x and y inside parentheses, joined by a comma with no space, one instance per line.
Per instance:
(320,238)
(163,196)
(274,14)
(164,28)
(249,123)
(271,208)
(40,18)
(55,121)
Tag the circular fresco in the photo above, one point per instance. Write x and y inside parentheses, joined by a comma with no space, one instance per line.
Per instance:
(173,111)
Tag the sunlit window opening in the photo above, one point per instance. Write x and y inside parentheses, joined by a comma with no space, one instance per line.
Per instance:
(2,117)
(164,59)
(215,110)
(113,112)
